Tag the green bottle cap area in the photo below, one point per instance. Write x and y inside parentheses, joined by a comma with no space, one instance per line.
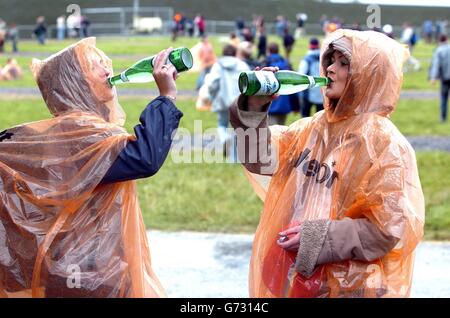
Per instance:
(181,58)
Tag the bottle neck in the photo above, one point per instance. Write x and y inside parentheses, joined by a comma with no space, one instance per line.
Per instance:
(117,79)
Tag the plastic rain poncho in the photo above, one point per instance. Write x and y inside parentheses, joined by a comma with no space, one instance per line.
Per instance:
(61,233)
(348,161)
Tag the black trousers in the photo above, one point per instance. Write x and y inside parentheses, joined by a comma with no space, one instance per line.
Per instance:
(306,107)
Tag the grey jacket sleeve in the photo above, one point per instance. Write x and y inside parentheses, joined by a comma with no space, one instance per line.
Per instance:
(434,69)
(325,241)
(253,138)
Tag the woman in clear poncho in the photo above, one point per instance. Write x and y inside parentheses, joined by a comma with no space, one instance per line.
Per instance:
(70,221)
(343,205)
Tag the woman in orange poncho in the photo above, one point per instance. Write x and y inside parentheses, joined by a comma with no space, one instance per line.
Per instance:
(70,221)
(343,205)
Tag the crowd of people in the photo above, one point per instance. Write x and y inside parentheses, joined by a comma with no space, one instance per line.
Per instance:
(252,47)
(74,26)
(251,42)
(182,25)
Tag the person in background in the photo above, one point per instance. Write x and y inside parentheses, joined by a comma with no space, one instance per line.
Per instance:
(441,28)
(73,25)
(13,36)
(234,39)
(323,22)
(61,27)
(280,25)
(262,45)
(410,38)
(2,35)
(288,43)
(440,70)
(310,65)
(282,106)
(388,30)
(240,25)
(176,22)
(427,31)
(11,71)
(356,26)
(207,58)
(245,53)
(40,30)
(201,24)
(221,89)
(190,27)
(84,26)
(259,25)
(247,35)
(301,20)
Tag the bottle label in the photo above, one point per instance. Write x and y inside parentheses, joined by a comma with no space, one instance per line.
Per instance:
(312,81)
(123,77)
(268,81)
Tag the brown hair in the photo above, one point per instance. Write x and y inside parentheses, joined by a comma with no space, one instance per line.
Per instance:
(229,50)
(273,48)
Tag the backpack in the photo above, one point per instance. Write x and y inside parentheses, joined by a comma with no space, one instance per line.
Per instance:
(312,61)
(314,94)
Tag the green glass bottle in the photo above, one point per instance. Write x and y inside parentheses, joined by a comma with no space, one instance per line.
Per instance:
(281,82)
(141,71)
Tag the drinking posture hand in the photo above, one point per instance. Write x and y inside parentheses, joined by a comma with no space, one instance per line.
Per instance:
(257,102)
(165,75)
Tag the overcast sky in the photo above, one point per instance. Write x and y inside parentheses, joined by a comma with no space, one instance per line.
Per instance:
(440,3)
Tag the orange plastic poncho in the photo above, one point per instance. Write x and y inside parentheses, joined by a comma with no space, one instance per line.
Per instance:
(359,166)
(61,233)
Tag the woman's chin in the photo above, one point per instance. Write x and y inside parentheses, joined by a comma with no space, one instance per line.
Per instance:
(330,94)
(105,93)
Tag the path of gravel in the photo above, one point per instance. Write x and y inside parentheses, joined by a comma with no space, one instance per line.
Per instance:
(192,264)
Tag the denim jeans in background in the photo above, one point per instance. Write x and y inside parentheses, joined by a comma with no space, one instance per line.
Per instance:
(224,136)
(61,32)
(445,88)
(15,49)
(201,77)
(41,39)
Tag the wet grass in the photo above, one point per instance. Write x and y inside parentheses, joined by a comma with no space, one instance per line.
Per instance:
(434,170)
(219,198)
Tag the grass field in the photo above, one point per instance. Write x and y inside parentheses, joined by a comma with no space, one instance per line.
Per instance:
(412,117)
(217,197)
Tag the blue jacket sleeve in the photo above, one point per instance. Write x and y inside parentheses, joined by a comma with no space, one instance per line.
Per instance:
(142,158)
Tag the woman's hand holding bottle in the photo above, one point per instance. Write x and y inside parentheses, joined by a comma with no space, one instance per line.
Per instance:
(165,75)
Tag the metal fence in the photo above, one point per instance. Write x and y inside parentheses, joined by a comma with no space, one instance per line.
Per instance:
(212,27)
